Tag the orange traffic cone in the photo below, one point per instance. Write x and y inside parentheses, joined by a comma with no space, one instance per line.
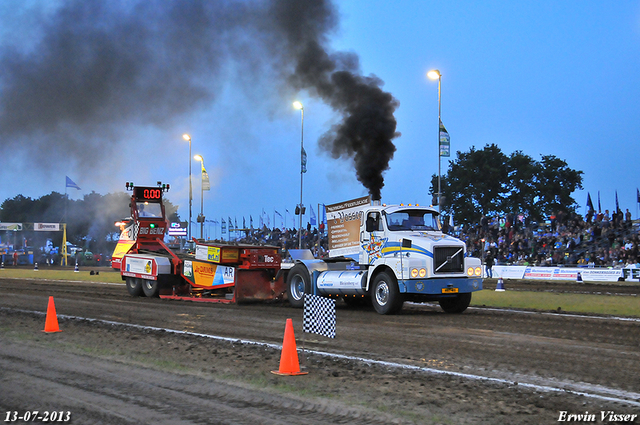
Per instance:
(51,324)
(289,364)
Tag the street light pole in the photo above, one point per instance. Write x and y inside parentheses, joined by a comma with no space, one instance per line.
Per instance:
(435,74)
(298,105)
(188,138)
(201,218)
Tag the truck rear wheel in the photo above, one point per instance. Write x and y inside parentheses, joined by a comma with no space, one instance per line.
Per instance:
(134,286)
(385,295)
(457,304)
(298,284)
(150,288)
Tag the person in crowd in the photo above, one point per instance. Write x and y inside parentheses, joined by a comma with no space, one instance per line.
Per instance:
(488,262)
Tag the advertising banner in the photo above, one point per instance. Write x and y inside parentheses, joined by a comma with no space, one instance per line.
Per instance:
(566,273)
(217,254)
(538,273)
(344,221)
(209,275)
(10,226)
(176,230)
(46,227)
(630,274)
(144,268)
(445,141)
(508,272)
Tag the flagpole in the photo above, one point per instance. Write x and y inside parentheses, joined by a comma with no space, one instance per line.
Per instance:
(301,173)
(435,74)
(439,121)
(63,261)
(66,203)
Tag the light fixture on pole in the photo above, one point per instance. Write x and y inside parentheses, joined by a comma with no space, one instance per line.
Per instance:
(188,139)
(435,75)
(303,168)
(202,184)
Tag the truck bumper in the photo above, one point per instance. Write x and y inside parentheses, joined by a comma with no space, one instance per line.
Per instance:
(443,286)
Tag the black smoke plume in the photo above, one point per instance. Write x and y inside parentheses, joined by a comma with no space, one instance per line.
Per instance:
(95,69)
(367,127)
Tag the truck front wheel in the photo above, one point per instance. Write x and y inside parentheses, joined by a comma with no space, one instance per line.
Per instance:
(150,288)
(385,295)
(134,286)
(298,283)
(456,304)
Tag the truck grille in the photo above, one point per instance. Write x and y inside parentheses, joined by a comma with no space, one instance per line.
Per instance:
(448,259)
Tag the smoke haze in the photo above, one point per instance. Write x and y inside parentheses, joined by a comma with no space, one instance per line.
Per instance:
(99,68)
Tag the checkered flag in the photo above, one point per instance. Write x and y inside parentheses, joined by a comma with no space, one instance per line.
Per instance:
(319,316)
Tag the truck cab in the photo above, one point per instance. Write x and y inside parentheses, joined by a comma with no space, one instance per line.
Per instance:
(391,254)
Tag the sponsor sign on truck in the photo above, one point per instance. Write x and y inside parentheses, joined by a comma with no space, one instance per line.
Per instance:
(343,225)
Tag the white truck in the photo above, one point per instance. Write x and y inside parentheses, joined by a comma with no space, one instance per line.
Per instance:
(388,254)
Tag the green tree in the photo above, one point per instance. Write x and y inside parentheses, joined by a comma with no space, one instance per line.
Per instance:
(487,182)
(474,184)
(555,185)
(90,221)
(522,183)
(16,209)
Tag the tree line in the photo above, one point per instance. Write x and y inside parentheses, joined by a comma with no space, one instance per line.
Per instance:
(90,220)
(488,182)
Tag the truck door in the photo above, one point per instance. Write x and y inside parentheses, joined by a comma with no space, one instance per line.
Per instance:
(371,238)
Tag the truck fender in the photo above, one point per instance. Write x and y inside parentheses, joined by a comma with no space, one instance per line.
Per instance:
(375,270)
(314,265)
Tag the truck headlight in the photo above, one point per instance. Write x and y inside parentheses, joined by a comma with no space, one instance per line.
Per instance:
(478,271)
(470,271)
(414,273)
(422,272)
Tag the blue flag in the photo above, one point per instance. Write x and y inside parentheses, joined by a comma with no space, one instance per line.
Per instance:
(312,220)
(324,214)
(70,183)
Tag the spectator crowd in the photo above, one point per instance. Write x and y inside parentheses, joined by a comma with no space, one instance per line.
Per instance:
(563,240)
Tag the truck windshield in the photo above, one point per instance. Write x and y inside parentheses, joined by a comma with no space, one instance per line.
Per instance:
(149,209)
(412,220)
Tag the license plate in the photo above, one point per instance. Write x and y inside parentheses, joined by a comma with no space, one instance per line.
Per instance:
(449,290)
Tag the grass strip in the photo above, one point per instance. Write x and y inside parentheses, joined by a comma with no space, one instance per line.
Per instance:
(106,274)
(617,305)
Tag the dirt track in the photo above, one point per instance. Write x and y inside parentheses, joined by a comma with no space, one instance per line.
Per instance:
(105,371)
